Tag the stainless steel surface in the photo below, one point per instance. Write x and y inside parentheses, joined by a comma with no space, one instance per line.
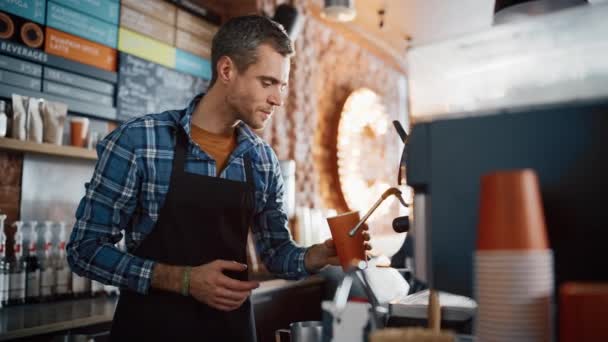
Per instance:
(385,195)
(453,307)
(308,331)
(419,235)
(36,319)
(52,187)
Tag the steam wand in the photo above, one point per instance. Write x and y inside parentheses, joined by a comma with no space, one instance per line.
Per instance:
(385,195)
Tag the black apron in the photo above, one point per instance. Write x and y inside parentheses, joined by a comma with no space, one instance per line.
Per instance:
(203,219)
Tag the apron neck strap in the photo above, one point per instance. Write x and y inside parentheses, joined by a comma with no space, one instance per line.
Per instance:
(248,169)
(181,144)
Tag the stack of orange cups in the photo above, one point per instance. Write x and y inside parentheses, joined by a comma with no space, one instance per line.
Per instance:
(513,262)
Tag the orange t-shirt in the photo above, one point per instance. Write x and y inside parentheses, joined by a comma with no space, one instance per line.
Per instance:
(218,146)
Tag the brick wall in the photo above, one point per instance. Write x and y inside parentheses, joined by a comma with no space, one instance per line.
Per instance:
(10,191)
(327,67)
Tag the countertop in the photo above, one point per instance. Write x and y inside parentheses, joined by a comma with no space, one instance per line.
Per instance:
(36,319)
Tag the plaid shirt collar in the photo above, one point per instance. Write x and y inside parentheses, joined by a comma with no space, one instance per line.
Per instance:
(246,137)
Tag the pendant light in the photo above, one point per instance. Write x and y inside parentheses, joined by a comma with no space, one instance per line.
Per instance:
(339,10)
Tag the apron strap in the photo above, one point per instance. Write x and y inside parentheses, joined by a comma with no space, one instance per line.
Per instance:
(179,158)
(248,169)
(181,142)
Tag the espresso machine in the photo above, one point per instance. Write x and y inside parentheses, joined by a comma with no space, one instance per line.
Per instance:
(532,94)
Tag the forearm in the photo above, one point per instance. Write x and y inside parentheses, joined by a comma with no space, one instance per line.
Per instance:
(313,261)
(286,261)
(168,277)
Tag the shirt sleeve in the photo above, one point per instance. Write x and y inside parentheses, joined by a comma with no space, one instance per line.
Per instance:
(106,209)
(273,240)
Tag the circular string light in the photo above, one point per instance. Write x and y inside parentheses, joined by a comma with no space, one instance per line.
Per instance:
(361,151)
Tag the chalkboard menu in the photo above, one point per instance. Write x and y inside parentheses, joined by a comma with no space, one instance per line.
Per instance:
(146,87)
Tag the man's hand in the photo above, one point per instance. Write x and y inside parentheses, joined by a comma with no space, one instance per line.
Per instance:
(323,254)
(209,285)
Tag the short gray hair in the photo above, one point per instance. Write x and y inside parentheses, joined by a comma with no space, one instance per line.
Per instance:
(240,37)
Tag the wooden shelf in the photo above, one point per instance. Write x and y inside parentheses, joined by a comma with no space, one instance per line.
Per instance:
(48,149)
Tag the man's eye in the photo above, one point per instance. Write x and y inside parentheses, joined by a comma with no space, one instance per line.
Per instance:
(266,84)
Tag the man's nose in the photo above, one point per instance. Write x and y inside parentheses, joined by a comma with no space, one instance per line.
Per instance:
(276,99)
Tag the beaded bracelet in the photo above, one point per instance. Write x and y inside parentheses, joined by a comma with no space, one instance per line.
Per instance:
(186,281)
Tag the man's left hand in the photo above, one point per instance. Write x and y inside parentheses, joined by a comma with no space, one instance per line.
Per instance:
(323,254)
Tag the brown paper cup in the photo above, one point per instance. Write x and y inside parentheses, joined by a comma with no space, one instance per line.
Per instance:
(350,249)
(511,213)
(583,308)
(78,131)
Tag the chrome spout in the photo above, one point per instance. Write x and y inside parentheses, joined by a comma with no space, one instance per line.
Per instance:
(385,195)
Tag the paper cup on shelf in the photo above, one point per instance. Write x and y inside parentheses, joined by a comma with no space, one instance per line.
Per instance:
(78,131)
(350,249)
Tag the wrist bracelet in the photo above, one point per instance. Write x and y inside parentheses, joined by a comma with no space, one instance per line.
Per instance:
(186,281)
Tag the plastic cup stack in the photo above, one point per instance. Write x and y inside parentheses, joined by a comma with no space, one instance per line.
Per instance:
(513,262)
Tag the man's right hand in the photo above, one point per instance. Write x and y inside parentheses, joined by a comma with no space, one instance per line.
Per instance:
(209,285)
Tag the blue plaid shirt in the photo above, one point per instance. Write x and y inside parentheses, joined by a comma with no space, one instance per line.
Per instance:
(128,189)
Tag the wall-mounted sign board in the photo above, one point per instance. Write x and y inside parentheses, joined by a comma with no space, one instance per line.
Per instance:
(80,50)
(77,93)
(106,10)
(30,9)
(145,87)
(19,80)
(22,67)
(146,48)
(21,30)
(79,24)
(191,64)
(193,44)
(158,9)
(79,81)
(34,55)
(74,106)
(147,25)
(195,25)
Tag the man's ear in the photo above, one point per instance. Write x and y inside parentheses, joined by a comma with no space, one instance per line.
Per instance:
(226,69)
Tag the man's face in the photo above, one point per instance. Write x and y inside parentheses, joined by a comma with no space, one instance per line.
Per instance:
(256,92)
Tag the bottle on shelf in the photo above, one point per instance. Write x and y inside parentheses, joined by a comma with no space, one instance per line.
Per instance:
(32,267)
(81,286)
(3,265)
(97,288)
(17,269)
(63,274)
(47,265)
(3,119)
